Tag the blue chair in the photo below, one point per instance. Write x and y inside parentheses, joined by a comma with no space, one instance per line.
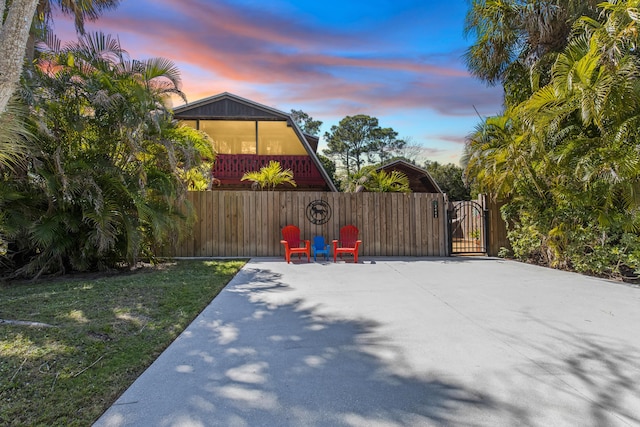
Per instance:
(320,247)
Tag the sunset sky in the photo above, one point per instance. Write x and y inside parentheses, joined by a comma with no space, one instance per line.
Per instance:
(400,61)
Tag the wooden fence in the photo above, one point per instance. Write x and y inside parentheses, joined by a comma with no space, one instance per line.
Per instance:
(497,228)
(249,223)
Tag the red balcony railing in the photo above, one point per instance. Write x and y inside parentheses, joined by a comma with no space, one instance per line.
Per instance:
(229,168)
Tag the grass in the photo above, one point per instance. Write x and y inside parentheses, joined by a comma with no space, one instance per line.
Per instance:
(104,332)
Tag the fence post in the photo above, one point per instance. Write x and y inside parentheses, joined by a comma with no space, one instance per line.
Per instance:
(449,227)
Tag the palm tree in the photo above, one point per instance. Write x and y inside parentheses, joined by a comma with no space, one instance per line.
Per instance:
(387,182)
(13,132)
(368,179)
(499,156)
(513,37)
(270,176)
(80,10)
(566,156)
(108,171)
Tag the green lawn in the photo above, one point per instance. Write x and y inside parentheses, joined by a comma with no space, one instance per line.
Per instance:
(105,332)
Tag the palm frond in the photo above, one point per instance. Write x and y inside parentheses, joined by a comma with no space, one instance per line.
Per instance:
(14,136)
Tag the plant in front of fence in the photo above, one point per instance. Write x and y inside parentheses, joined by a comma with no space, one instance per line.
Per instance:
(380,182)
(270,176)
(475,236)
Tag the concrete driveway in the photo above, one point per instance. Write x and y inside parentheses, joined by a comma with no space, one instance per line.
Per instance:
(399,342)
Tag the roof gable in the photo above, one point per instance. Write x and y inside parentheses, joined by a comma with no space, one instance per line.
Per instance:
(227,106)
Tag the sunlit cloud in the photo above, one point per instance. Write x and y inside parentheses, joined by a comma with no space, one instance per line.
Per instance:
(456,139)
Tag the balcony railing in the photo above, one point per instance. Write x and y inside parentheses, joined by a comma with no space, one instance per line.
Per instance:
(230,167)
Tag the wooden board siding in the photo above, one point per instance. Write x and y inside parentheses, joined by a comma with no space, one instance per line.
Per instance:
(248,223)
(224,108)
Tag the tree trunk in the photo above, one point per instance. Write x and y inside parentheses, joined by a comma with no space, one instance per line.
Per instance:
(14,34)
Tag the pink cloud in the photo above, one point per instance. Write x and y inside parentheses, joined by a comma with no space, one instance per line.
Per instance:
(456,139)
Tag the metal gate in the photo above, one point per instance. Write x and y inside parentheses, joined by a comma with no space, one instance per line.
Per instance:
(468,228)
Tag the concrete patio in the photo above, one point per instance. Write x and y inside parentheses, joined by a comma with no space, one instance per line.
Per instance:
(399,342)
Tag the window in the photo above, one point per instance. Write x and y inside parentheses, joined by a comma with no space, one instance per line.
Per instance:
(231,136)
(239,137)
(190,123)
(277,138)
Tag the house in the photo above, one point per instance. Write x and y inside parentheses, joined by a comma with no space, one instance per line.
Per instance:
(247,136)
(419,179)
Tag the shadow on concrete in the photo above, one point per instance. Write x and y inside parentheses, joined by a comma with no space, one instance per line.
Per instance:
(266,352)
(261,358)
(601,370)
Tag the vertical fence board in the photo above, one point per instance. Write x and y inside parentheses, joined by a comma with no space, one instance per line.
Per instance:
(228,232)
(263,224)
(236,223)
(246,224)
(428,232)
(258,220)
(425,227)
(337,220)
(368,219)
(275,223)
(413,225)
(405,243)
(209,236)
(386,228)
(432,226)
(299,217)
(269,208)
(200,222)
(229,225)
(214,196)
(442,226)
(222,224)
(363,227)
(378,210)
(197,228)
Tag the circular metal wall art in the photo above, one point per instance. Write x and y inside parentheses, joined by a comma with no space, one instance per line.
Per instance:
(318,212)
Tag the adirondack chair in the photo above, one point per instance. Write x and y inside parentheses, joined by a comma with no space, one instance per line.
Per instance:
(319,247)
(293,244)
(348,243)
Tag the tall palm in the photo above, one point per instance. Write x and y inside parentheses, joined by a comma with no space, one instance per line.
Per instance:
(512,37)
(81,10)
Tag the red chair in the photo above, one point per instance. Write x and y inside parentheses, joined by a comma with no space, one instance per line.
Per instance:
(292,243)
(348,243)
